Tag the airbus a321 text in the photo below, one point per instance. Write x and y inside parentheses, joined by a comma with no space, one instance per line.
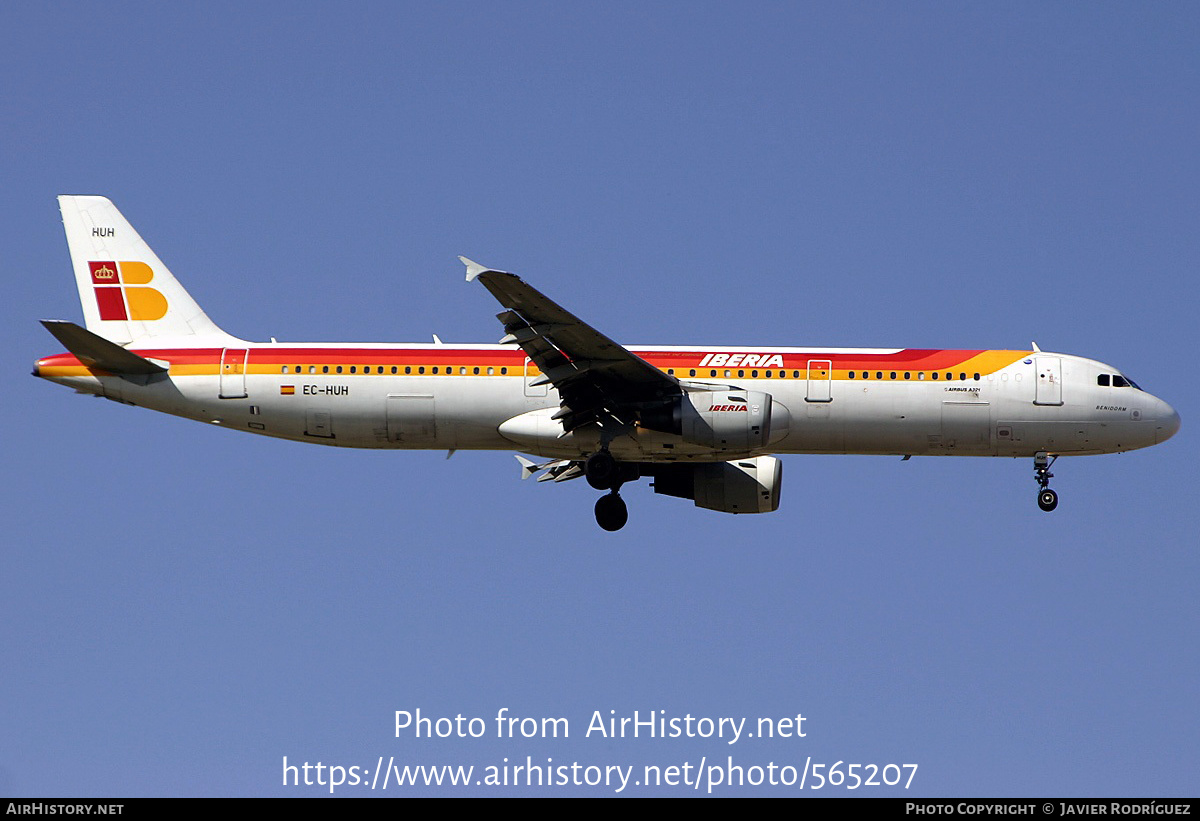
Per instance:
(702,422)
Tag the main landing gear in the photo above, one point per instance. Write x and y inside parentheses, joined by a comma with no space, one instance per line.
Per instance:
(611,512)
(603,472)
(1047,499)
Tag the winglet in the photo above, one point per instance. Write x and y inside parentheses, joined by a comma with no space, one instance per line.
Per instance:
(474,269)
(528,468)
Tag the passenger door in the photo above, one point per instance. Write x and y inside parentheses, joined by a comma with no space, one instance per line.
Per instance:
(1049,380)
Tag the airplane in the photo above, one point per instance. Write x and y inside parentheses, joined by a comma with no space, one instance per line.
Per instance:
(702,422)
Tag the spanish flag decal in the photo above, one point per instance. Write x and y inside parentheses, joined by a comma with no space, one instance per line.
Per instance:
(287,390)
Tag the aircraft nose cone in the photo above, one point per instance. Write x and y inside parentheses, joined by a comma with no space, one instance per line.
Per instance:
(1168,423)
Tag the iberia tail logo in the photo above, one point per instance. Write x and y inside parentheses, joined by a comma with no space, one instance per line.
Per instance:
(119,294)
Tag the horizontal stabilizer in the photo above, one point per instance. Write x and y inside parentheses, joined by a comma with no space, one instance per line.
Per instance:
(97,352)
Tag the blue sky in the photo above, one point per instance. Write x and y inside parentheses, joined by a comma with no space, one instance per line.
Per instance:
(183,607)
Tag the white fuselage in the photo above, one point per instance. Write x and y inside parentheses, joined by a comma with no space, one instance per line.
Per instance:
(484,397)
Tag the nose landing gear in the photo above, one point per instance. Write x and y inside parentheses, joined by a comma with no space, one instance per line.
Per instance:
(1047,499)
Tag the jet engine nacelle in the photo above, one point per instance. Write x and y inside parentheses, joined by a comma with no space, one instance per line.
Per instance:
(740,486)
(732,419)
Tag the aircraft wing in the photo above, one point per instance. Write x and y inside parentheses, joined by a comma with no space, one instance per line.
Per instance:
(597,379)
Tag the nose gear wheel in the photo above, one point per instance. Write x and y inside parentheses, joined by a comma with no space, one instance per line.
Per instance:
(1047,499)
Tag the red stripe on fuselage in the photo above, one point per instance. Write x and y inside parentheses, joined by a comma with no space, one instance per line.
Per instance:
(909,359)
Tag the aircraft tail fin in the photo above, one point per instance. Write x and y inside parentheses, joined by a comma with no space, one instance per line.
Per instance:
(128,294)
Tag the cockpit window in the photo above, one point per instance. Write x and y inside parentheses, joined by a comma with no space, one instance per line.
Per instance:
(1117,381)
